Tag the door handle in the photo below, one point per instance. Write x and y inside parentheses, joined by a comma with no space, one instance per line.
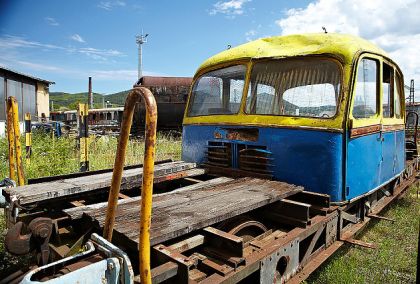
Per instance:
(380,137)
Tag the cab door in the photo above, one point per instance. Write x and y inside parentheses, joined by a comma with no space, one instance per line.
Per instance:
(392,124)
(364,136)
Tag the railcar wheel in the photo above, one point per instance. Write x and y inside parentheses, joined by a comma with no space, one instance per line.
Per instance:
(244,227)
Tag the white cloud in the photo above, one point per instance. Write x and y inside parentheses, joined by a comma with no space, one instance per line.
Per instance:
(394,25)
(51,21)
(249,35)
(13,43)
(38,67)
(77,38)
(109,5)
(230,8)
(99,54)
(120,75)
(10,42)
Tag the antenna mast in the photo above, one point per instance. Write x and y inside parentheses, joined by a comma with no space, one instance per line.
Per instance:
(411,97)
(140,39)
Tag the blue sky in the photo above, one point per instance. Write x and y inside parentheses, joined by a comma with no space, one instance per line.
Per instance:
(68,41)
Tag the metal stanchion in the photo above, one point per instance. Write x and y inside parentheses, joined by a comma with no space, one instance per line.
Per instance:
(28,137)
(82,114)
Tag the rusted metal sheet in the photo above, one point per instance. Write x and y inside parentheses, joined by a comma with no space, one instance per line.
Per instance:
(240,134)
(152,81)
(36,238)
(395,127)
(171,95)
(365,130)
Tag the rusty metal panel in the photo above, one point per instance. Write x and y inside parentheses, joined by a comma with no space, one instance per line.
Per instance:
(280,265)
(149,81)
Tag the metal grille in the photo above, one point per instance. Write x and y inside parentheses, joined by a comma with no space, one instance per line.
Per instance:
(250,158)
(255,158)
(219,154)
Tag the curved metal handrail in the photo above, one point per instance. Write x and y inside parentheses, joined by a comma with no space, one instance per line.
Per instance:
(148,170)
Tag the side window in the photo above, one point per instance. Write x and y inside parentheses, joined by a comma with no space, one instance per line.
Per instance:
(365,101)
(397,97)
(387,91)
(264,99)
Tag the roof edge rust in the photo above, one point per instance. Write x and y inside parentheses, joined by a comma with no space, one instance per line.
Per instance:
(346,46)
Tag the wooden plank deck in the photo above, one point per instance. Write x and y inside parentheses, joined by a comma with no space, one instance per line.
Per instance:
(60,189)
(180,212)
(77,212)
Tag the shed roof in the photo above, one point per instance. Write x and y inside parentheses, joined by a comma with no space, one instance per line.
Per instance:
(11,71)
(345,46)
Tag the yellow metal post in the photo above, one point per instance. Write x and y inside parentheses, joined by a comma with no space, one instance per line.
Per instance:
(16,137)
(11,140)
(148,172)
(82,114)
(28,137)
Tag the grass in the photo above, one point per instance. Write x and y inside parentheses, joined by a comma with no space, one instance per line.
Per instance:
(393,262)
(60,155)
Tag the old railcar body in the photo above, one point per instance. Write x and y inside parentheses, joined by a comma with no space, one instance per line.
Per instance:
(171,95)
(323,111)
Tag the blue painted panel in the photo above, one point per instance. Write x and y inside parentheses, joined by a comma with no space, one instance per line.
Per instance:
(400,151)
(364,158)
(304,157)
(388,166)
(372,162)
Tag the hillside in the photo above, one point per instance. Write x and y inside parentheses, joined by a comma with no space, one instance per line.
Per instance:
(63,100)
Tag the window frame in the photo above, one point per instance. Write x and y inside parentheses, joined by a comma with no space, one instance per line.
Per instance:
(378,112)
(216,68)
(400,88)
(340,69)
(392,90)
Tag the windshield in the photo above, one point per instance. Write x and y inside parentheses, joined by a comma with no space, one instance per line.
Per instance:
(295,87)
(218,92)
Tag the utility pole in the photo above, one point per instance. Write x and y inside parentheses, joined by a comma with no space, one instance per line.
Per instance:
(412,92)
(140,40)
(90,95)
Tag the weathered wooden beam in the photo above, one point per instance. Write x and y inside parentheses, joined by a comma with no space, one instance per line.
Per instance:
(226,241)
(75,187)
(360,243)
(188,244)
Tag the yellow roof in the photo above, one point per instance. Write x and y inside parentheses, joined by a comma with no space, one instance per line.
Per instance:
(344,46)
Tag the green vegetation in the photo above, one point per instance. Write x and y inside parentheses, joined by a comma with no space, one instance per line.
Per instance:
(60,155)
(66,101)
(393,262)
